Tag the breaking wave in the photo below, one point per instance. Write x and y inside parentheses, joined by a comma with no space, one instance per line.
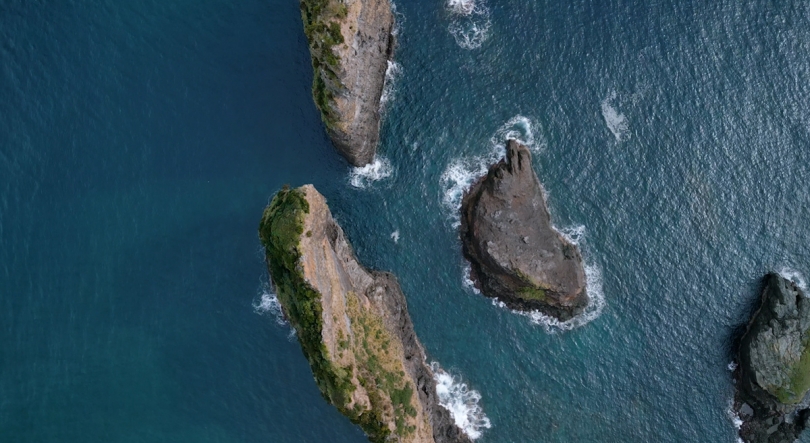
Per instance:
(361,177)
(615,120)
(593,286)
(461,7)
(470,22)
(462,172)
(520,128)
(456,179)
(735,419)
(392,73)
(466,281)
(795,277)
(461,401)
(573,234)
(267,303)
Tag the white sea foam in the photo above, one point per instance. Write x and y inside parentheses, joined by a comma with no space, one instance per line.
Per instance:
(470,22)
(573,234)
(462,172)
(395,236)
(466,281)
(520,128)
(732,366)
(361,177)
(615,120)
(796,277)
(735,418)
(392,74)
(267,303)
(461,7)
(593,285)
(457,179)
(461,401)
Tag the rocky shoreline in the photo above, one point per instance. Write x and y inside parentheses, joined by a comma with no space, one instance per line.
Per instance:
(351,43)
(773,375)
(515,253)
(353,325)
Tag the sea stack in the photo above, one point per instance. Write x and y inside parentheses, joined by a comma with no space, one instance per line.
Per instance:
(350,42)
(353,325)
(774,370)
(515,253)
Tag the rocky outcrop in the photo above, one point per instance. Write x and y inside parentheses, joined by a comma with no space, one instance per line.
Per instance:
(353,325)
(774,370)
(514,252)
(350,43)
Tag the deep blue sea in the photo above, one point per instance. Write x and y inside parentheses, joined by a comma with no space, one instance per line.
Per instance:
(140,141)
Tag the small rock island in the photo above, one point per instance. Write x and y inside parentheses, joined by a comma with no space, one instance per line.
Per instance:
(353,325)
(350,42)
(774,369)
(515,253)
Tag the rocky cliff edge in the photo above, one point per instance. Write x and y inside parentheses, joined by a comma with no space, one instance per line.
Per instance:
(350,43)
(353,325)
(774,371)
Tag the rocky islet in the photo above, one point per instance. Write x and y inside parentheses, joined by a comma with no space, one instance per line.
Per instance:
(515,253)
(774,365)
(352,324)
(350,43)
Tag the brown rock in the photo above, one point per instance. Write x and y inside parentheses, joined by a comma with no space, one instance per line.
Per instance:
(514,252)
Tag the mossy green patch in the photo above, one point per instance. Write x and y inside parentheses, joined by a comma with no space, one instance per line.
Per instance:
(280,231)
(390,392)
(381,370)
(322,28)
(532,293)
(799,380)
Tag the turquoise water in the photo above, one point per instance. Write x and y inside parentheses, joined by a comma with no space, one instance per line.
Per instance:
(140,142)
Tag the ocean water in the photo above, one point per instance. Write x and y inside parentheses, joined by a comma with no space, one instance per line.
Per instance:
(140,141)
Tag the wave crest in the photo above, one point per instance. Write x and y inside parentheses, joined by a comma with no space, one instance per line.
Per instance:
(796,277)
(461,401)
(392,74)
(267,303)
(470,23)
(462,172)
(361,177)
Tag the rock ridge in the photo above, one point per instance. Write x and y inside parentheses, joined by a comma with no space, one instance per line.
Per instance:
(353,325)
(351,43)
(515,253)
(774,365)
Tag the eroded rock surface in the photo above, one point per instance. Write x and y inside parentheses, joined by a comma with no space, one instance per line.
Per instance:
(351,43)
(353,325)
(774,372)
(515,253)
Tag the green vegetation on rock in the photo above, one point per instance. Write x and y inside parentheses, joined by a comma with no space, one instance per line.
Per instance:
(378,370)
(799,381)
(322,28)
(280,232)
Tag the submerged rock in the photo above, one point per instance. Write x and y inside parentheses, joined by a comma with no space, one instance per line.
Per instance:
(774,371)
(515,253)
(350,43)
(353,325)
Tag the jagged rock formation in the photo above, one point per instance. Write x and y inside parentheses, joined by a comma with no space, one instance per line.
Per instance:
(514,252)
(350,43)
(353,325)
(774,370)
